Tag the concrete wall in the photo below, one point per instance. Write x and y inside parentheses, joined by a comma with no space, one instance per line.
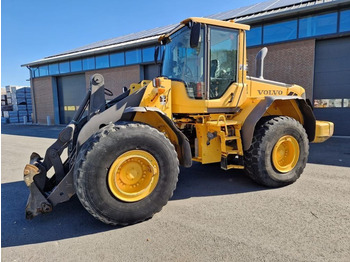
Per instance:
(43,98)
(291,63)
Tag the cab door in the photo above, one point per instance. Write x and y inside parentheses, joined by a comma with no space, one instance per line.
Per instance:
(226,74)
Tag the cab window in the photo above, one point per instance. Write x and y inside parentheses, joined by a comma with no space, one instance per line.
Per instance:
(185,64)
(223,60)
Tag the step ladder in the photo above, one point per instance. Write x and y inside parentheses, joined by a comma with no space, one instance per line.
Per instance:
(230,157)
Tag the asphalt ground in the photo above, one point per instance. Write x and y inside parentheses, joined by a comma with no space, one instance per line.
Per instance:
(214,215)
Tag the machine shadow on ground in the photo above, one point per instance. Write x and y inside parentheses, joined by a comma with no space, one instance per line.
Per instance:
(67,220)
(210,180)
(70,219)
(31,130)
(333,152)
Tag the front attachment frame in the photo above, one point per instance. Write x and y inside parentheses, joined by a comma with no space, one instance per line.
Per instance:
(47,192)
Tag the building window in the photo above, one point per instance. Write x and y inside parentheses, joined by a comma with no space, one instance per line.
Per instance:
(43,70)
(318,25)
(102,61)
(76,65)
(148,54)
(254,36)
(64,67)
(53,69)
(280,31)
(117,59)
(344,21)
(35,71)
(89,63)
(133,57)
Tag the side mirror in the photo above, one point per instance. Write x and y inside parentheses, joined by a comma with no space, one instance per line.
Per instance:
(156,53)
(195,34)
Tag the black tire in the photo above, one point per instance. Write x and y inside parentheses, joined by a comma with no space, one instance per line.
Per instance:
(259,164)
(99,153)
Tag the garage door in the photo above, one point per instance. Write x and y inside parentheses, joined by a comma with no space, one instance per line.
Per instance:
(332,83)
(151,71)
(71,92)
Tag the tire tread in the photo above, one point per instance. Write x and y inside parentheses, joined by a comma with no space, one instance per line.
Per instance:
(79,174)
(253,156)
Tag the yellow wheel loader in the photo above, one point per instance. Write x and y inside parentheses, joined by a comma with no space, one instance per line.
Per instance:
(124,155)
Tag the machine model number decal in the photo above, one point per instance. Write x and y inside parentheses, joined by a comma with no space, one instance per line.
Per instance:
(270,92)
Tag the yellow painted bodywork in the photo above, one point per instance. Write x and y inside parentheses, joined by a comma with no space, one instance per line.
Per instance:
(206,153)
(223,129)
(159,97)
(137,86)
(183,104)
(208,21)
(261,88)
(155,120)
(218,135)
(285,108)
(324,130)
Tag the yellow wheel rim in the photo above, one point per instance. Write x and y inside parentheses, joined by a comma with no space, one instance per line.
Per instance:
(285,154)
(133,175)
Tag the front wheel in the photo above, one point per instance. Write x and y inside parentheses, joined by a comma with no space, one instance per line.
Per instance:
(125,173)
(278,153)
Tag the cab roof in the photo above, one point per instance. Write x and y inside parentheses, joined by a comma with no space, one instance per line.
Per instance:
(208,21)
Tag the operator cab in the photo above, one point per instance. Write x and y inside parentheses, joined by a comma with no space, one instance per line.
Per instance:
(204,56)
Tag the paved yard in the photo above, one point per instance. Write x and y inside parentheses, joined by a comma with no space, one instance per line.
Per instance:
(213,216)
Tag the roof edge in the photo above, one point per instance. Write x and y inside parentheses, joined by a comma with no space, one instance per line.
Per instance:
(271,14)
(94,51)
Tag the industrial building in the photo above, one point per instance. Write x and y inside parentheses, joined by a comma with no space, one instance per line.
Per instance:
(308,43)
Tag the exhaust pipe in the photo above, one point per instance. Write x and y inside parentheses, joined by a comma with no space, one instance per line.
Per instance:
(259,62)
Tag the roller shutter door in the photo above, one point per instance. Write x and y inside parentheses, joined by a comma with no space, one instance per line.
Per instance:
(332,83)
(151,71)
(71,92)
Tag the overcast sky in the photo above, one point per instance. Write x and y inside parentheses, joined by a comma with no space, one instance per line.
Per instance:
(34,29)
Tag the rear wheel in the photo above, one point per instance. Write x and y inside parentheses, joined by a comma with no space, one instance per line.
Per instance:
(278,153)
(126,173)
